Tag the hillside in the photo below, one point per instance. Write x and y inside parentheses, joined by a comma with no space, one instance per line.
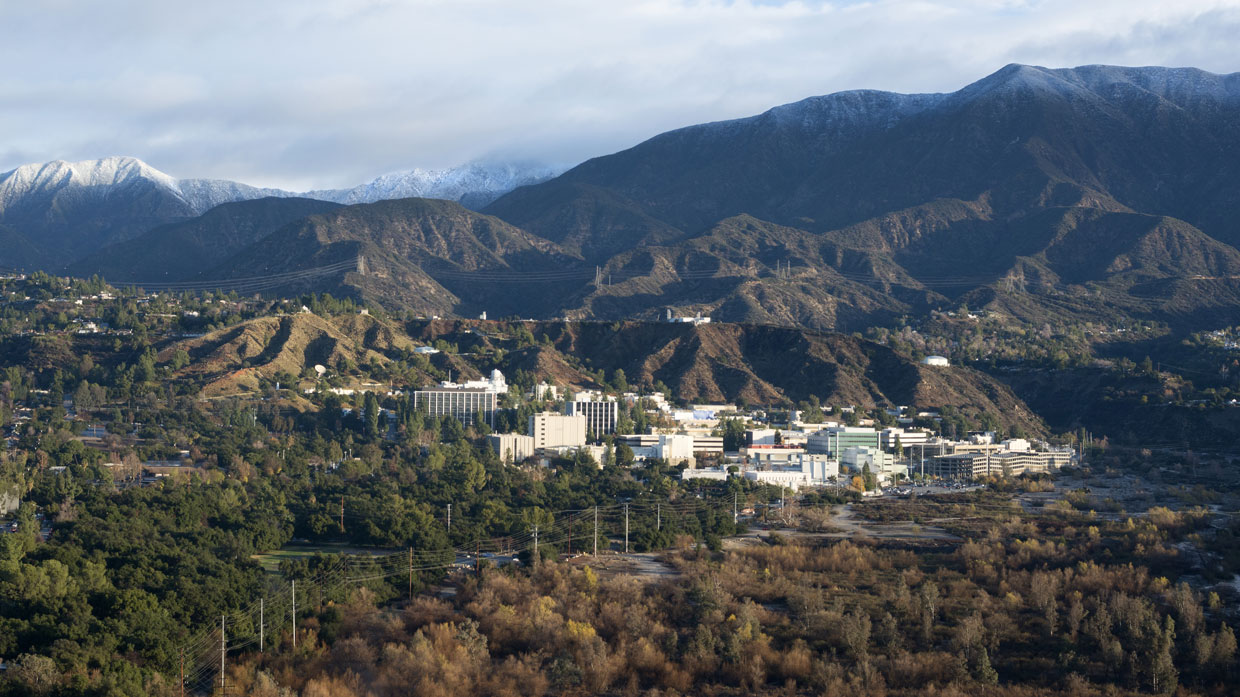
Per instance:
(183,251)
(728,362)
(1008,174)
(708,363)
(234,359)
(1098,193)
(429,256)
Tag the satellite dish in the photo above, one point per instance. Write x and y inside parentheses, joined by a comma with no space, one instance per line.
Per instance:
(320,369)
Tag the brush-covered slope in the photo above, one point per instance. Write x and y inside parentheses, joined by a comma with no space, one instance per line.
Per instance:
(757,364)
(183,251)
(431,256)
(234,359)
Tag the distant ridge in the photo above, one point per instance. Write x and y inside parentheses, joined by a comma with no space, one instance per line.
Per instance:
(473,185)
(1090,193)
(53,214)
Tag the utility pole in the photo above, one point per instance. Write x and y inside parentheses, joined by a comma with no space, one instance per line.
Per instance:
(596,531)
(449,517)
(223,687)
(626,528)
(536,547)
(294,613)
(342,513)
(658,516)
(411,574)
(182,671)
(570,537)
(478,559)
(260,624)
(735,517)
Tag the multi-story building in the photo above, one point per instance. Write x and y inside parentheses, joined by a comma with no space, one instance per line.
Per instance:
(974,465)
(552,430)
(601,413)
(905,438)
(512,445)
(675,449)
(463,402)
(882,464)
(831,441)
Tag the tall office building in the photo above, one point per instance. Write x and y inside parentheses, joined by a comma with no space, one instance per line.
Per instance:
(601,414)
(464,402)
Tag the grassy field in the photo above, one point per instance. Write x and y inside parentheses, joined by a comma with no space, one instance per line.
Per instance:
(270,561)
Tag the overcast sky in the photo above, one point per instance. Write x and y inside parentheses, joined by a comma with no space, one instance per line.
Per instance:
(318,93)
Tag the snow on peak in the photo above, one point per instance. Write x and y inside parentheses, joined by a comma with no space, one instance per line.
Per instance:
(48,178)
(474,184)
(37,185)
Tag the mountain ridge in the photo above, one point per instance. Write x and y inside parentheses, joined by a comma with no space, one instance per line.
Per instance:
(1098,190)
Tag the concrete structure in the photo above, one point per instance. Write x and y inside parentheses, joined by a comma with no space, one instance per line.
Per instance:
(908,438)
(464,402)
(969,466)
(803,470)
(935,360)
(707,444)
(552,430)
(882,464)
(517,446)
(545,392)
(697,319)
(830,441)
(675,449)
(596,452)
(793,479)
(717,474)
(601,413)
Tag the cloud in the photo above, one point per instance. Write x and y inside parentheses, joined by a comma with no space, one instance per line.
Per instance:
(313,93)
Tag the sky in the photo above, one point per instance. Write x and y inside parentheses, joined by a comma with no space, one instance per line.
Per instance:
(309,94)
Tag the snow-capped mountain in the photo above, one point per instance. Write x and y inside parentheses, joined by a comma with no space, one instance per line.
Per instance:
(474,185)
(54,213)
(37,185)
(59,182)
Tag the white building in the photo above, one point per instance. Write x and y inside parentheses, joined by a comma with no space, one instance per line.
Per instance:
(697,319)
(675,449)
(552,430)
(601,413)
(907,438)
(463,402)
(935,360)
(513,445)
(545,392)
(717,474)
(882,464)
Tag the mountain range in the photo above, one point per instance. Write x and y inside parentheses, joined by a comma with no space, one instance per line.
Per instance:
(1094,191)
(55,213)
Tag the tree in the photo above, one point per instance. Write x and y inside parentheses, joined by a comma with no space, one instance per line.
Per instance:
(624,455)
(619,381)
(1163,674)
(538,519)
(371,407)
(733,433)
